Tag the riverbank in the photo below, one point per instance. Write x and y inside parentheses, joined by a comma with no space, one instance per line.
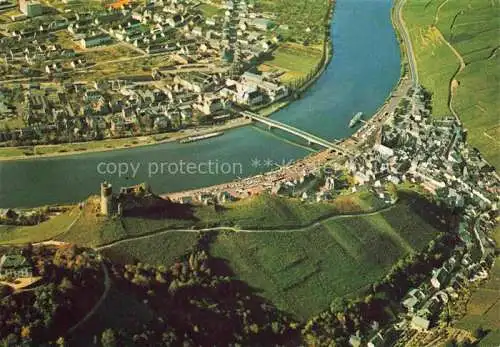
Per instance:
(241,188)
(133,142)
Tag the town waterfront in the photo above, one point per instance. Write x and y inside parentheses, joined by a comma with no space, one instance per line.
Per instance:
(364,69)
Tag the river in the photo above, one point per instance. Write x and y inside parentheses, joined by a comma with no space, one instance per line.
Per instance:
(364,69)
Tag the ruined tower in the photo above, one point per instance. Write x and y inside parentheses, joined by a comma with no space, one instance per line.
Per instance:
(106,199)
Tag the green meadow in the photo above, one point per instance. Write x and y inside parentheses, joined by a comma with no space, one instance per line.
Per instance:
(44,231)
(211,10)
(162,249)
(294,60)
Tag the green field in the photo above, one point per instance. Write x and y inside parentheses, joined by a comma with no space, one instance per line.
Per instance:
(299,16)
(295,60)
(275,212)
(491,340)
(303,271)
(10,152)
(92,145)
(472,28)
(12,123)
(76,5)
(103,145)
(41,232)
(210,10)
(483,309)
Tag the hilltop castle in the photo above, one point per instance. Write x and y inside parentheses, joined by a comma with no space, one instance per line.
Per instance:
(129,198)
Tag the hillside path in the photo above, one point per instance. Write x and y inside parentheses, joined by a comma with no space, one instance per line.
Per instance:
(238,230)
(453,86)
(107,287)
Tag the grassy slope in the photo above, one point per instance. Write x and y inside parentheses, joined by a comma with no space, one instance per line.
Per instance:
(44,231)
(210,10)
(491,340)
(472,28)
(260,212)
(302,272)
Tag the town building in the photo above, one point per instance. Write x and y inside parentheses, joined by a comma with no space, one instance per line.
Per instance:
(95,40)
(31,8)
(420,323)
(14,265)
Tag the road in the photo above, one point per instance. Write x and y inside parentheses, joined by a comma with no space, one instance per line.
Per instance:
(107,287)
(400,23)
(401,26)
(453,82)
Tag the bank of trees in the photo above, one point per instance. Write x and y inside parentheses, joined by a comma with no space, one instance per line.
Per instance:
(70,285)
(196,302)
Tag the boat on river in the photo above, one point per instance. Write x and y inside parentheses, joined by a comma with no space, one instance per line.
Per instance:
(201,137)
(356,119)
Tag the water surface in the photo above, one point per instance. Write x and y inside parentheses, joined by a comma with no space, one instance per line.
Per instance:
(364,69)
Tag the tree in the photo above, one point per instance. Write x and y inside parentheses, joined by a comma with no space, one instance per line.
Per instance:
(65,285)
(479,333)
(27,250)
(11,340)
(4,290)
(25,332)
(445,316)
(254,328)
(61,342)
(108,338)
(466,343)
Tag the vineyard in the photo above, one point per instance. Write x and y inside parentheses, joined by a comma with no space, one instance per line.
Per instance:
(303,271)
(158,250)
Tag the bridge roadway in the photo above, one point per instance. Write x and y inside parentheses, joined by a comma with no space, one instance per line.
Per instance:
(311,139)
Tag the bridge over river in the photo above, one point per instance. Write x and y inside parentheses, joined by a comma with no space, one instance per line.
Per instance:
(310,138)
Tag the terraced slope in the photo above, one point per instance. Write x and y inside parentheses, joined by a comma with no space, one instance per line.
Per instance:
(301,272)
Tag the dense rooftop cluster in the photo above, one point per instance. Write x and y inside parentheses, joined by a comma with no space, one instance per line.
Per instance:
(433,153)
(202,69)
